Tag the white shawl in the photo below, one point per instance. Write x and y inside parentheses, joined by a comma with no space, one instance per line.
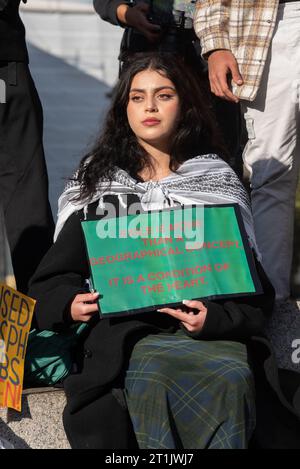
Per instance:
(205,179)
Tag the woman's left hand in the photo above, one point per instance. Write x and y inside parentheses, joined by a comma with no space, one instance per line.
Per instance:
(193,322)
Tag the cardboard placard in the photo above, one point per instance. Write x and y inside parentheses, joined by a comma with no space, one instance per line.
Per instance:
(16,312)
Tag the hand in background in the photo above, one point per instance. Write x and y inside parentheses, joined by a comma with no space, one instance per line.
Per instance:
(83,307)
(191,321)
(136,17)
(222,65)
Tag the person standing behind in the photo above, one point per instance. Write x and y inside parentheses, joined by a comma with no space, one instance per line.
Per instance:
(23,173)
(256,46)
(152,25)
(124,13)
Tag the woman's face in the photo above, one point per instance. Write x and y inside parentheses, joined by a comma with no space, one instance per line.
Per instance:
(153,108)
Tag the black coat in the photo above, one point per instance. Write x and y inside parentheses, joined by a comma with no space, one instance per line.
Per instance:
(12,33)
(90,400)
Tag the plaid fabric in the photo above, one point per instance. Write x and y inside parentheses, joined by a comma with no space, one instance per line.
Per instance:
(186,393)
(243,26)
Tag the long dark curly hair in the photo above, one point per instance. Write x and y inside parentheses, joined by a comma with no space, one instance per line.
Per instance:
(117,145)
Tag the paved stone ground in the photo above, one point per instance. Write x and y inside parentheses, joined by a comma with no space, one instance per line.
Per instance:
(39,425)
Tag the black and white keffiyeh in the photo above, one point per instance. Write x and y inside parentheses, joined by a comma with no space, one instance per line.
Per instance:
(205,179)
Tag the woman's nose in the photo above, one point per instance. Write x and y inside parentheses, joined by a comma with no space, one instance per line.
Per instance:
(151,105)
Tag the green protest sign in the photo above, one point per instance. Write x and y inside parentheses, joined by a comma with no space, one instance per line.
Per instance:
(141,262)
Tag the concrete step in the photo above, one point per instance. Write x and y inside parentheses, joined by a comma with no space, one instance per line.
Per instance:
(39,425)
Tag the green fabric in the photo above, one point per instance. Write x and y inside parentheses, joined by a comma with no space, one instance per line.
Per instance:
(49,356)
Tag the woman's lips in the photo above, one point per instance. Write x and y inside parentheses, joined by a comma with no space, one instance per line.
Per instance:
(151,122)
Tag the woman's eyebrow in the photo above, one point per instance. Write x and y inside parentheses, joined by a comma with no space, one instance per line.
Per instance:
(141,90)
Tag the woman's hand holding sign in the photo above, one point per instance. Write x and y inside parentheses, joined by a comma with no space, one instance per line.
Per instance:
(84,306)
(192,321)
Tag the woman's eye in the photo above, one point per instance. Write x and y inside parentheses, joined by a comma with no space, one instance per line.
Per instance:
(136,98)
(165,96)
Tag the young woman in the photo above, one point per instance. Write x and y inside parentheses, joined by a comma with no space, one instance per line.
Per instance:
(169,378)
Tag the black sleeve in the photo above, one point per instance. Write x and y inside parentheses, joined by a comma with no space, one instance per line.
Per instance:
(107,9)
(60,277)
(238,319)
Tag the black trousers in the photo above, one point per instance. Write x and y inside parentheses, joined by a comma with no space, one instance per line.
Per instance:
(23,173)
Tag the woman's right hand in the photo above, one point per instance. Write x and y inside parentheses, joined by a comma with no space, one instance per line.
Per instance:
(84,306)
